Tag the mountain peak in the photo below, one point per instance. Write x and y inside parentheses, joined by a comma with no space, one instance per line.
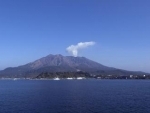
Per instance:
(64,63)
(54,55)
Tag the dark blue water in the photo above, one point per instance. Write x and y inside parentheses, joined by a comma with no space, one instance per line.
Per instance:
(75,96)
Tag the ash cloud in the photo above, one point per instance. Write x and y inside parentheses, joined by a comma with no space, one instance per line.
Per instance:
(74,49)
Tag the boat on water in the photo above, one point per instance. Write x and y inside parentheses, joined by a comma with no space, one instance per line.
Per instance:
(69,78)
(15,79)
(56,78)
(80,78)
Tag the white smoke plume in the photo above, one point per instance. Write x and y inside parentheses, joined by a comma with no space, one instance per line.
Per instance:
(73,49)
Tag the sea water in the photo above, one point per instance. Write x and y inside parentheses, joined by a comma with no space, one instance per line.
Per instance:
(75,96)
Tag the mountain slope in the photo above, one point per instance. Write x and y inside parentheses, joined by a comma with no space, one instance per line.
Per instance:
(57,63)
(68,61)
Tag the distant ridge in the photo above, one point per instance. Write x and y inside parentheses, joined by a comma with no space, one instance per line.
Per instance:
(60,63)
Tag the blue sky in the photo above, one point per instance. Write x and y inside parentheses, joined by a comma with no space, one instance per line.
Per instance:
(31,29)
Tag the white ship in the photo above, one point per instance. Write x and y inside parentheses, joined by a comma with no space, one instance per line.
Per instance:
(80,78)
(69,78)
(56,78)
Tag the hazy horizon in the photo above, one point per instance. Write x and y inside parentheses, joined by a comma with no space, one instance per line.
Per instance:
(113,33)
